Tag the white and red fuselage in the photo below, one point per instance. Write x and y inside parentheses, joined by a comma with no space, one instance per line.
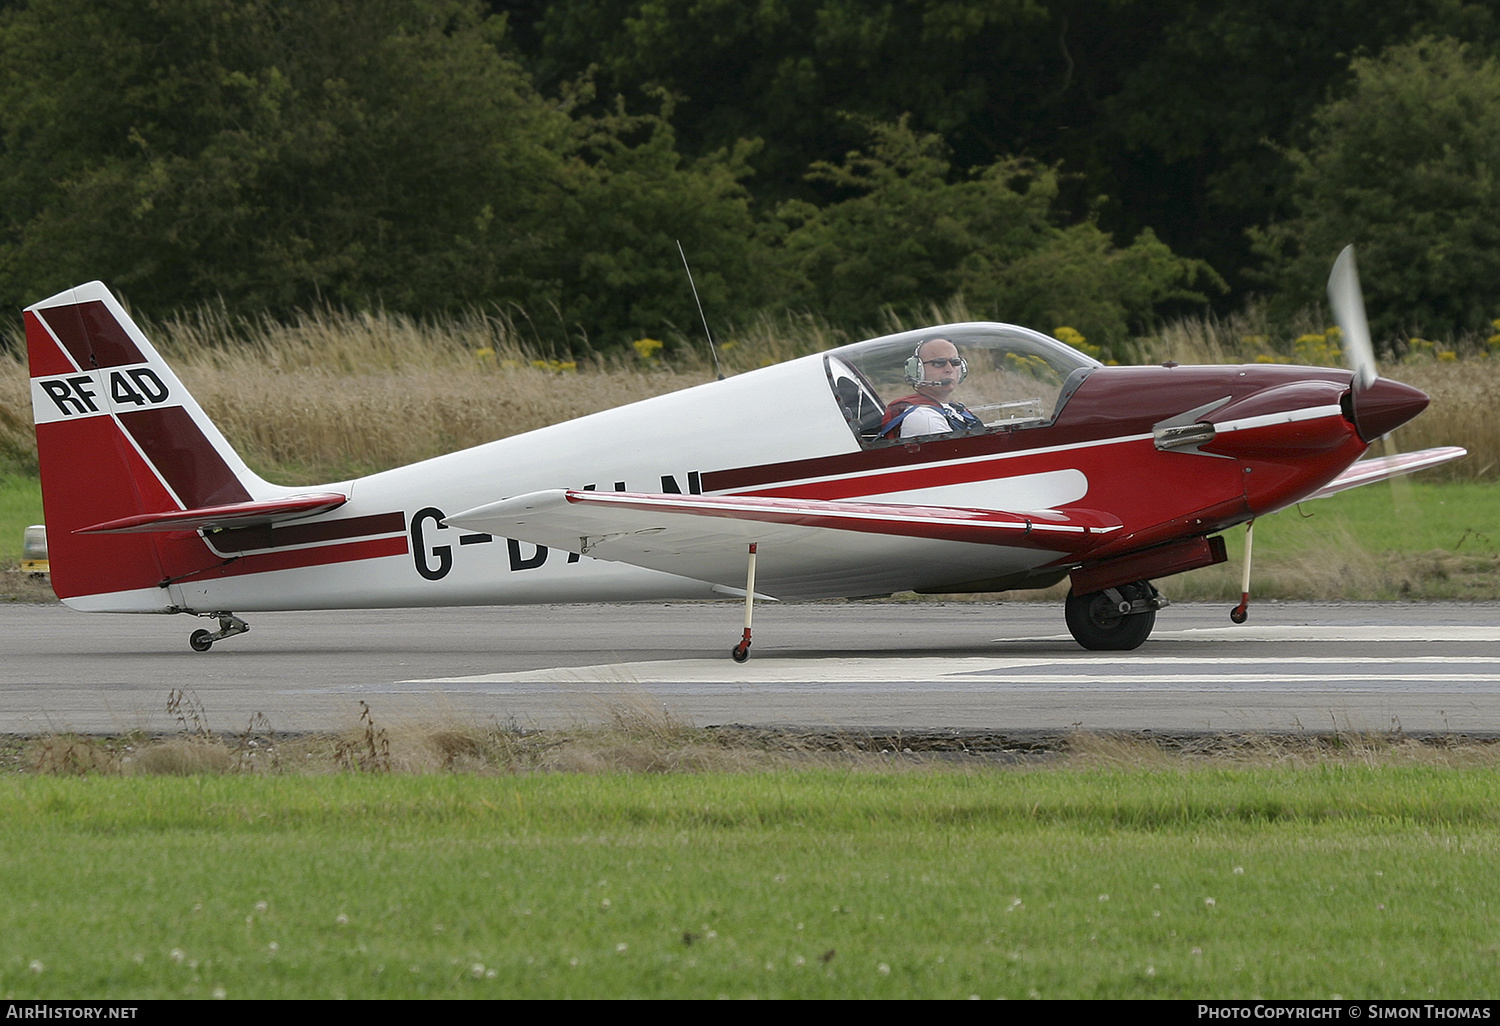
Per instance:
(1114,474)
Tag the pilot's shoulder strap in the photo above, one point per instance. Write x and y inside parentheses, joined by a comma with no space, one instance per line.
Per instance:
(900,409)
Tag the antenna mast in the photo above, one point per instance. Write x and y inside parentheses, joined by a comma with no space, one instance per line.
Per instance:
(715,352)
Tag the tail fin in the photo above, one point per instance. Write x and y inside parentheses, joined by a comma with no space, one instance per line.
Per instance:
(123,447)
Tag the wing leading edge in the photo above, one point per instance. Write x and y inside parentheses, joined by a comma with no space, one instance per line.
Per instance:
(1379,469)
(808,546)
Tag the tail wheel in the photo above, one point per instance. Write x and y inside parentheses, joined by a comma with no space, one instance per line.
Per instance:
(1098,622)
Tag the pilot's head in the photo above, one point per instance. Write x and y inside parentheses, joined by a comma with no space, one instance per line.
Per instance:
(936,368)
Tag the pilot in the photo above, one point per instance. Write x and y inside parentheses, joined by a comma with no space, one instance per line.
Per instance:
(935,369)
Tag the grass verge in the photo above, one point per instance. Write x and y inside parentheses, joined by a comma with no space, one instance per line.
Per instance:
(1128,872)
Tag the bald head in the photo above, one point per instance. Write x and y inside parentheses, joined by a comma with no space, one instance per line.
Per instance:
(941,370)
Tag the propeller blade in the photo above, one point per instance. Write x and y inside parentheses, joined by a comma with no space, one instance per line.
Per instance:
(1349,310)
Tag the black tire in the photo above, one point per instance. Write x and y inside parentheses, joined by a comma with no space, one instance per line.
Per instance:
(201,641)
(1099,626)
(740,653)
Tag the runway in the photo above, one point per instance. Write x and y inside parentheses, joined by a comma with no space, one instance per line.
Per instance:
(1296,667)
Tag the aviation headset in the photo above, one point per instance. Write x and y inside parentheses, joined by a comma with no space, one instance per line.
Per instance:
(915,372)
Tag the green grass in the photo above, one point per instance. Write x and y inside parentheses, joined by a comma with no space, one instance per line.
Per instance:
(20,507)
(1408,516)
(1407,539)
(1306,881)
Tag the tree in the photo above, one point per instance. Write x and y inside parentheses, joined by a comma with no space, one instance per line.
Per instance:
(1173,109)
(272,154)
(631,201)
(913,233)
(787,72)
(1406,167)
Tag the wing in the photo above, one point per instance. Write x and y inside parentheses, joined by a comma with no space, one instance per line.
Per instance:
(235,514)
(1369,471)
(803,543)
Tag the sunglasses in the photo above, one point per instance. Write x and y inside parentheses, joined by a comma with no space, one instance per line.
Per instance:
(956,363)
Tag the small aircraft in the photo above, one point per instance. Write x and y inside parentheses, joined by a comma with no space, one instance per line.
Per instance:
(789,482)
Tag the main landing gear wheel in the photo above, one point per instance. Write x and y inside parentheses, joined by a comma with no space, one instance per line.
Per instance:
(1115,619)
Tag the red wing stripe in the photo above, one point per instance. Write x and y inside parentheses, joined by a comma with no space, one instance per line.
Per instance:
(1069,531)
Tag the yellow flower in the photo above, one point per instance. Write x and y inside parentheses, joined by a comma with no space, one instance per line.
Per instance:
(1073,337)
(1318,350)
(646,348)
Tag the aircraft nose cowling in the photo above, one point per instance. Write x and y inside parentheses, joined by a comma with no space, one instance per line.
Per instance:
(1384,406)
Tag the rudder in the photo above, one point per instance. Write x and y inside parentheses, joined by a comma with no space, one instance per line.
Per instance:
(119,436)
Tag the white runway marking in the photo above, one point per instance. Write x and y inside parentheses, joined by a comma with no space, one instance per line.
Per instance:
(1382,632)
(1273,669)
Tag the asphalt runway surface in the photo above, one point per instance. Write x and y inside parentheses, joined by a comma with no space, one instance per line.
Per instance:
(1423,668)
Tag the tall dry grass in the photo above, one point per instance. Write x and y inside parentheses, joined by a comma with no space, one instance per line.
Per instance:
(330,394)
(1464,410)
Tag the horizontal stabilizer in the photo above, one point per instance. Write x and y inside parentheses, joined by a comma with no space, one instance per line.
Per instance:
(1379,469)
(235,514)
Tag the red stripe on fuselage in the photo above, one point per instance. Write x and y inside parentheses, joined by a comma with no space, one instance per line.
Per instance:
(766,477)
(293,559)
(247,539)
(967,471)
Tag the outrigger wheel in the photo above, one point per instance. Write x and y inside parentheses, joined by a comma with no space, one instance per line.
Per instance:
(1115,619)
(229,626)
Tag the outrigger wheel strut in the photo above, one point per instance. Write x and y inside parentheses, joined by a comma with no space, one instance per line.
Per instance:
(1241,612)
(229,626)
(741,652)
